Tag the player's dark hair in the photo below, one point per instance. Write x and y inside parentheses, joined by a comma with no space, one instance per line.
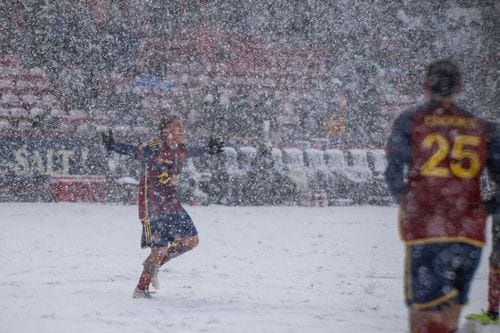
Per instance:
(167,120)
(443,77)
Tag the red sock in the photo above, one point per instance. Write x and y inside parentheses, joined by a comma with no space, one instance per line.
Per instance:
(433,327)
(144,281)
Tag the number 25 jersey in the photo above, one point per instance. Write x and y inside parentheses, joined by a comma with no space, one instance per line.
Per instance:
(445,151)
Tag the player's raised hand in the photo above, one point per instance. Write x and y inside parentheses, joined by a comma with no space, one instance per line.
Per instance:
(215,146)
(107,140)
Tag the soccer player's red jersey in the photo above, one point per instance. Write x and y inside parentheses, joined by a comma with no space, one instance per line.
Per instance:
(158,183)
(447,150)
(157,186)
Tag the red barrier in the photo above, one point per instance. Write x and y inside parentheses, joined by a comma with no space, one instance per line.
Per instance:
(78,188)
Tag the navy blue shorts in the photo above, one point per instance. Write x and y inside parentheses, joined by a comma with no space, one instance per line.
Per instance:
(158,232)
(439,274)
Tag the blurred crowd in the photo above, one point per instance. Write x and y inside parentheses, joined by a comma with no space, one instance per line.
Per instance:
(285,71)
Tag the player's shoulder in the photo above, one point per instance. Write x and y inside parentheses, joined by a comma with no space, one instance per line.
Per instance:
(462,111)
(415,110)
(402,122)
(152,143)
(433,108)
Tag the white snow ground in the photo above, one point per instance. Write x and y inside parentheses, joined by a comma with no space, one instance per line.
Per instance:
(72,268)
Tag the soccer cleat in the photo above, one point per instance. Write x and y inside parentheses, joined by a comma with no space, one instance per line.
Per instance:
(484,318)
(141,293)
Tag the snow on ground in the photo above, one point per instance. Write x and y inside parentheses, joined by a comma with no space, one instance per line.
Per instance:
(72,268)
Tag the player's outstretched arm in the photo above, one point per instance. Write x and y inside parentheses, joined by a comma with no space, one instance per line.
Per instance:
(109,143)
(213,147)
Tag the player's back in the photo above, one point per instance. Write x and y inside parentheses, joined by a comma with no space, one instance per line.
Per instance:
(448,151)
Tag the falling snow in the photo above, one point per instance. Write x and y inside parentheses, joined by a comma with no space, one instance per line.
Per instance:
(303,94)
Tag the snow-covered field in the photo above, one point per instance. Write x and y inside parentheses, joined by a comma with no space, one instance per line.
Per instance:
(72,268)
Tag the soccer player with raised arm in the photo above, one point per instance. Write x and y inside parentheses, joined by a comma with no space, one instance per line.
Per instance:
(166,226)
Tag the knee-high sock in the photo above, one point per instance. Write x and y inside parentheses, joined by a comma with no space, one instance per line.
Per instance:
(433,327)
(144,281)
(151,266)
